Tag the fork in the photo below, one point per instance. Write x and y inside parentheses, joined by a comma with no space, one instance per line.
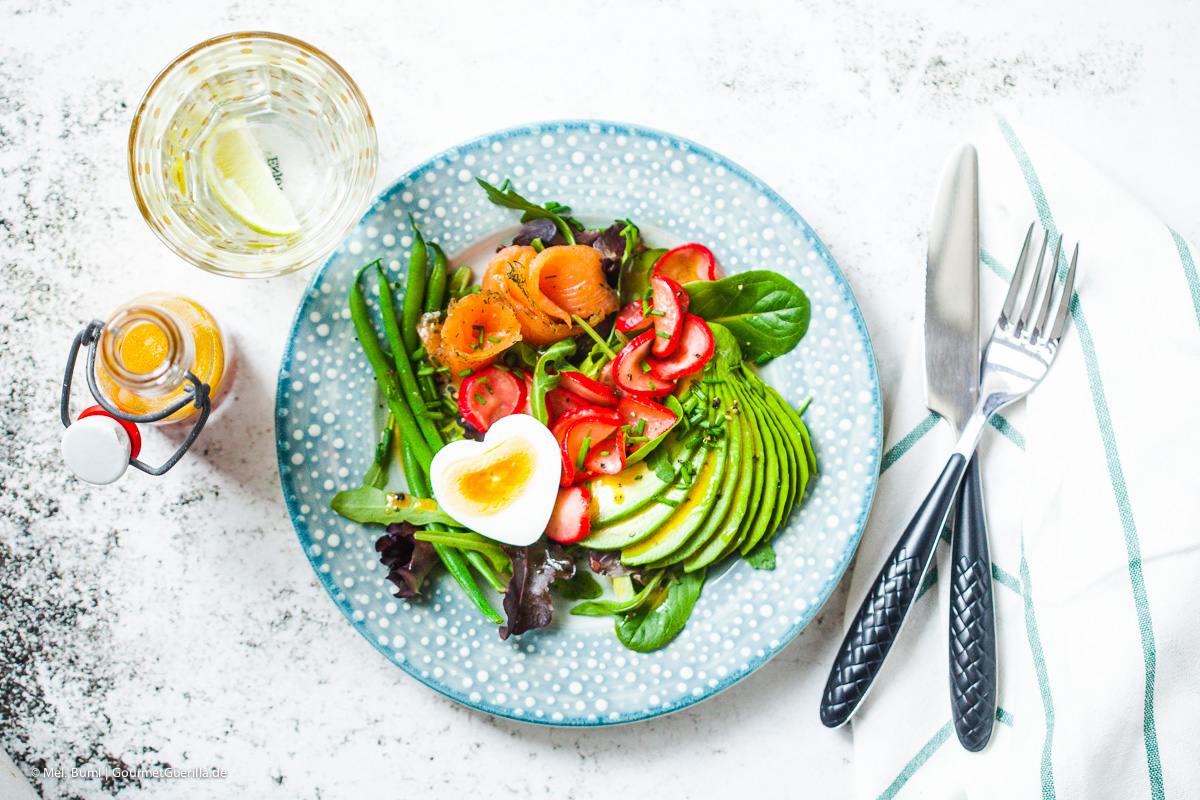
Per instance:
(1017,357)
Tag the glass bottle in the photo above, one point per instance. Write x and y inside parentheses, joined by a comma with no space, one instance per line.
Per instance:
(150,344)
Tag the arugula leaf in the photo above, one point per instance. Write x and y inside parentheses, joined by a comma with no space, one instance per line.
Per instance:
(657,622)
(635,275)
(605,608)
(369,504)
(767,313)
(508,198)
(543,381)
(762,556)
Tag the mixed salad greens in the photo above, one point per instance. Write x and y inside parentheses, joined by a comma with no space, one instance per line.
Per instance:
(641,363)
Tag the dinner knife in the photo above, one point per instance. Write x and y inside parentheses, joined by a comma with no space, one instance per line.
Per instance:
(951,387)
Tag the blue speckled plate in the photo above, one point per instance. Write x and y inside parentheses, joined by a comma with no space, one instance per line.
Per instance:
(575,672)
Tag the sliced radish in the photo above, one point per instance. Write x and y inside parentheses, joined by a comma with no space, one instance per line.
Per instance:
(489,395)
(687,263)
(668,305)
(570,521)
(694,350)
(632,372)
(578,437)
(586,389)
(560,401)
(527,407)
(633,317)
(658,419)
(608,457)
(606,378)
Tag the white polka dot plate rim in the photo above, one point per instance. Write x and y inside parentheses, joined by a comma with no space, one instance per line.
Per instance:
(574,672)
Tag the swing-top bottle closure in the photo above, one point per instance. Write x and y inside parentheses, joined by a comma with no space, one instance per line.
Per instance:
(141,355)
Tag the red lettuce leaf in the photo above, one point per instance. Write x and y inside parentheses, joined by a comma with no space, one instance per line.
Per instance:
(407,559)
(527,602)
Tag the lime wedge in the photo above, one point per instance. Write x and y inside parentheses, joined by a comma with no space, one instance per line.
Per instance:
(238,173)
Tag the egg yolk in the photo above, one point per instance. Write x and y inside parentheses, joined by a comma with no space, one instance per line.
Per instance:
(492,480)
(143,348)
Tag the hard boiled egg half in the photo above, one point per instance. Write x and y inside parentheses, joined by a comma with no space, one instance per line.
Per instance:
(504,487)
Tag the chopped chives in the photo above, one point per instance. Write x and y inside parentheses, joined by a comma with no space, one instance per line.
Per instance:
(662,334)
(640,428)
(645,367)
(464,373)
(494,339)
(479,398)
(587,443)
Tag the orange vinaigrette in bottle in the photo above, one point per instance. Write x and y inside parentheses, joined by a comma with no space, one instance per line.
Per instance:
(150,344)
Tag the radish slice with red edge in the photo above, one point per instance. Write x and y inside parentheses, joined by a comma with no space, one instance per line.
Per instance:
(527,379)
(632,372)
(608,457)
(606,378)
(560,401)
(633,317)
(570,521)
(694,350)
(489,395)
(579,435)
(687,263)
(668,305)
(645,418)
(586,389)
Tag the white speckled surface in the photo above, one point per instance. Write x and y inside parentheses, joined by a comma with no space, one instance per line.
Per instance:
(177,621)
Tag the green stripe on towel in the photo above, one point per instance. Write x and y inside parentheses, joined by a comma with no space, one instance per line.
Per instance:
(1189,270)
(1115,470)
(1043,678)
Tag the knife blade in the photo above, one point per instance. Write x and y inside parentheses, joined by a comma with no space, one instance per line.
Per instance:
(951,389)
(952,293)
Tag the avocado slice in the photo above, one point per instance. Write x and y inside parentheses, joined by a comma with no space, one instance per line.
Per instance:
(690,513)
(725,534)
(787,419)
(636,527)
(778,472)
(765,473)
(616,497)
(724,497)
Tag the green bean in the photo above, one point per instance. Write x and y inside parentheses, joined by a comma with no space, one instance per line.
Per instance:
(377,475)
(435,289)
(460,281)
(458,568)
(408,382)
(414,290)
(482,565)
(385,374)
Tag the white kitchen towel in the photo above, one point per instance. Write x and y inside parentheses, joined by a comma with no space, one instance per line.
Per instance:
(1093,503)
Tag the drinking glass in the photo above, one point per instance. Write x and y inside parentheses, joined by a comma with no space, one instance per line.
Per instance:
(252,155)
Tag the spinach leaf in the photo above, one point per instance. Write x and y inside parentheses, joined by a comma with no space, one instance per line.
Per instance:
(508,198)
(368,504)
(767,313)
(762,556)
(582,587)
(656,623)
(635,275)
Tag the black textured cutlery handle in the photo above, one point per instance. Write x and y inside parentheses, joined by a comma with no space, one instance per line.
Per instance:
(972,619)
(877,623)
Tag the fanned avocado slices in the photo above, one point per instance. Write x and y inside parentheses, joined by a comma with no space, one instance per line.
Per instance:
(617,497)
(636,527)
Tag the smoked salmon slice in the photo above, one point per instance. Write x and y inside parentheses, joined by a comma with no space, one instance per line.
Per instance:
(478,328)
(569,280)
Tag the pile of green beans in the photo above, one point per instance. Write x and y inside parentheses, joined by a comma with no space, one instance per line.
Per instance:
(408,400)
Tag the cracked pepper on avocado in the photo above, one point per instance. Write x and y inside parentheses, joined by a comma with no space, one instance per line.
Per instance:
(588,415)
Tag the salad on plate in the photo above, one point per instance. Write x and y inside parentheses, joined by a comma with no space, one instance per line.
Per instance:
(586,420)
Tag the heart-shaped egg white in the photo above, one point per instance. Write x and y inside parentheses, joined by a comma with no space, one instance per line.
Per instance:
(504,487)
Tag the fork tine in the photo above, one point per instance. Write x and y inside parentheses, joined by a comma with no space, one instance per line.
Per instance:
(1010,302)
(1023,320)
(1064,303)
(1039,327)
